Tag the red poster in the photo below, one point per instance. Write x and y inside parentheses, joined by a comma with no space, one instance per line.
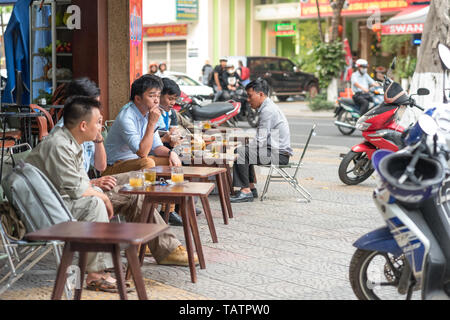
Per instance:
(355,7)
(135,40)
(166,31)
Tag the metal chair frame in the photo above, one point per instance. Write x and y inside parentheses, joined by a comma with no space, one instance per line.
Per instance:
(284,176)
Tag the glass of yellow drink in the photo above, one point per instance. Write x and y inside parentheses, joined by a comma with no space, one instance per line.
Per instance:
(177,175)
(136,180)
(150,176)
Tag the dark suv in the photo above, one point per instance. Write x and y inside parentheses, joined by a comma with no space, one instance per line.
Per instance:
(282,75)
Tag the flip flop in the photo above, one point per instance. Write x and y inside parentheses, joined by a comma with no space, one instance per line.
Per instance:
(106,286)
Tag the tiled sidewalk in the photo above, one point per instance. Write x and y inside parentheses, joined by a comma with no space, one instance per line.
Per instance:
(276,249)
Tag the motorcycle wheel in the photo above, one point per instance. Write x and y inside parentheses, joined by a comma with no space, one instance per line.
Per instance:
(346,117)
(359,161)
(375,275)
(252,117)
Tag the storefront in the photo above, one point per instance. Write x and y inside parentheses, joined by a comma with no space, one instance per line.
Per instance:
(166,43)
(80,38)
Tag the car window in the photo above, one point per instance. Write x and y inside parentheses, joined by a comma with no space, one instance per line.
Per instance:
(184,80)
(286,65)
(264,65)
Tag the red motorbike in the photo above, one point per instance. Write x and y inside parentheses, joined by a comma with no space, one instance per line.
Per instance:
(381,130)
(217,113)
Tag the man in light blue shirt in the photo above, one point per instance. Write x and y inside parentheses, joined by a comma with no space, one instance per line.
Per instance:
(361,82)
(133,135)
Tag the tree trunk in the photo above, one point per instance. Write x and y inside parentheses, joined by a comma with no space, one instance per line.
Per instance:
(335,20)
(429,72)
(319,21)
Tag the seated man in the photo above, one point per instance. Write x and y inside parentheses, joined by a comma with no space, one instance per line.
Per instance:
(168,121)
(60,158)
(166,249)
(271,144)
(133,135)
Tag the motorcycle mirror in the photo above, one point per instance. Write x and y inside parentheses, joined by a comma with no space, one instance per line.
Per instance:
(393,63)
(428,125)
(423,92)
(444,55)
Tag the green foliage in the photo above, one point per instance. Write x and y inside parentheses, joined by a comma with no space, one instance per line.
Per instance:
(320,102)
(6,9)
(330,61)
(405,66)
(394,44)
(309,36)
(45,95)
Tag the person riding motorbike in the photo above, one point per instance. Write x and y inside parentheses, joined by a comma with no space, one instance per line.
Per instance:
(361,82)
(232,80)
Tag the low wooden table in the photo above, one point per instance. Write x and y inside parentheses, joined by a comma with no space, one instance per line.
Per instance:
(87,237)
(203,173)
(184,196)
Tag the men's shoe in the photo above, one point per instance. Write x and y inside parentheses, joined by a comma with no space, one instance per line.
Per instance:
(178,257)
(255,193)
(198,211)
(242,197)
(174,219)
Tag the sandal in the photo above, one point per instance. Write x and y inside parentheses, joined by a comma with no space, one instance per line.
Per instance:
(106,286)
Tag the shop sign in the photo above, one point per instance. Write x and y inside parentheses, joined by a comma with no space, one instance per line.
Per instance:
(187,9)
(166,31)
(355,7)
(135,39)
(285,29)
(408,28)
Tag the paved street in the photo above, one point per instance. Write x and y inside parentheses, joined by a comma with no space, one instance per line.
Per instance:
(276,249)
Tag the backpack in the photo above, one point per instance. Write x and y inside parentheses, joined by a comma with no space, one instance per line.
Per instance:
(245,73)
(34,198)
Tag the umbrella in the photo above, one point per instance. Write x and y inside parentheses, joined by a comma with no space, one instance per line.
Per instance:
(17,52)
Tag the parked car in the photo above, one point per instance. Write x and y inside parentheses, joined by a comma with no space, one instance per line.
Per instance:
(190,86)
(282,74)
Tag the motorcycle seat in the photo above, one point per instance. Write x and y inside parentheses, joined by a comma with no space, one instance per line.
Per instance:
(348,101)
(212,110)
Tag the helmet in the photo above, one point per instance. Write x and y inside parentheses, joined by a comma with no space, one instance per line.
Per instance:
(223,59)
(391,166)
(361,63)
(153,63)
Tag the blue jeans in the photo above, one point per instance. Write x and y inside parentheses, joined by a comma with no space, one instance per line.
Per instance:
(217,94)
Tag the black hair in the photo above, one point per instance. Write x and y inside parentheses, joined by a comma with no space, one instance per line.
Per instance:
(259,85)
(170,87)
(142,84)
(77,109)
(82,87)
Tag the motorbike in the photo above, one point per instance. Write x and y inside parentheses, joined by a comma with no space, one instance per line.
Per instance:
(246,113)
(381,128)
(347,111)
(197,109)
(412,252)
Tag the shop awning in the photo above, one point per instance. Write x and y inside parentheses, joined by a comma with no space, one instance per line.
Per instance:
(7,2)
(409,21)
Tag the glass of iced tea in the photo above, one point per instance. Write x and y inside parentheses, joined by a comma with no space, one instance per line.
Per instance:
(150,176)
(137,180)
(177,175)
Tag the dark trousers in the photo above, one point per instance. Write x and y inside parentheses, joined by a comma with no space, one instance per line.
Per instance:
(243,167)
(363,100)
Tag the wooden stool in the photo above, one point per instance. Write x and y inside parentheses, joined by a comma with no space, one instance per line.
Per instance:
(84,237)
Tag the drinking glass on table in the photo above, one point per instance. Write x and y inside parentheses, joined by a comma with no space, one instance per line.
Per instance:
(150,176)
(137,180)
(177,175)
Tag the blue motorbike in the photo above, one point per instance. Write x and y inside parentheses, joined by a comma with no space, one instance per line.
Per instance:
(412,252)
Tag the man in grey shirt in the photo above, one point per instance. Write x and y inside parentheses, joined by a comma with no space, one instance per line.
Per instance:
(271,144)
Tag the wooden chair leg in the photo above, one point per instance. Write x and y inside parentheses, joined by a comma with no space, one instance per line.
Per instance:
(195,233)
(82,265)
(209,219)
(187,235)
(135,268)
(118,271)
(227,195)
(223,202)
(61,276)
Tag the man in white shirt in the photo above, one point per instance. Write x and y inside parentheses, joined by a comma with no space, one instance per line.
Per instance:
(361,82)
